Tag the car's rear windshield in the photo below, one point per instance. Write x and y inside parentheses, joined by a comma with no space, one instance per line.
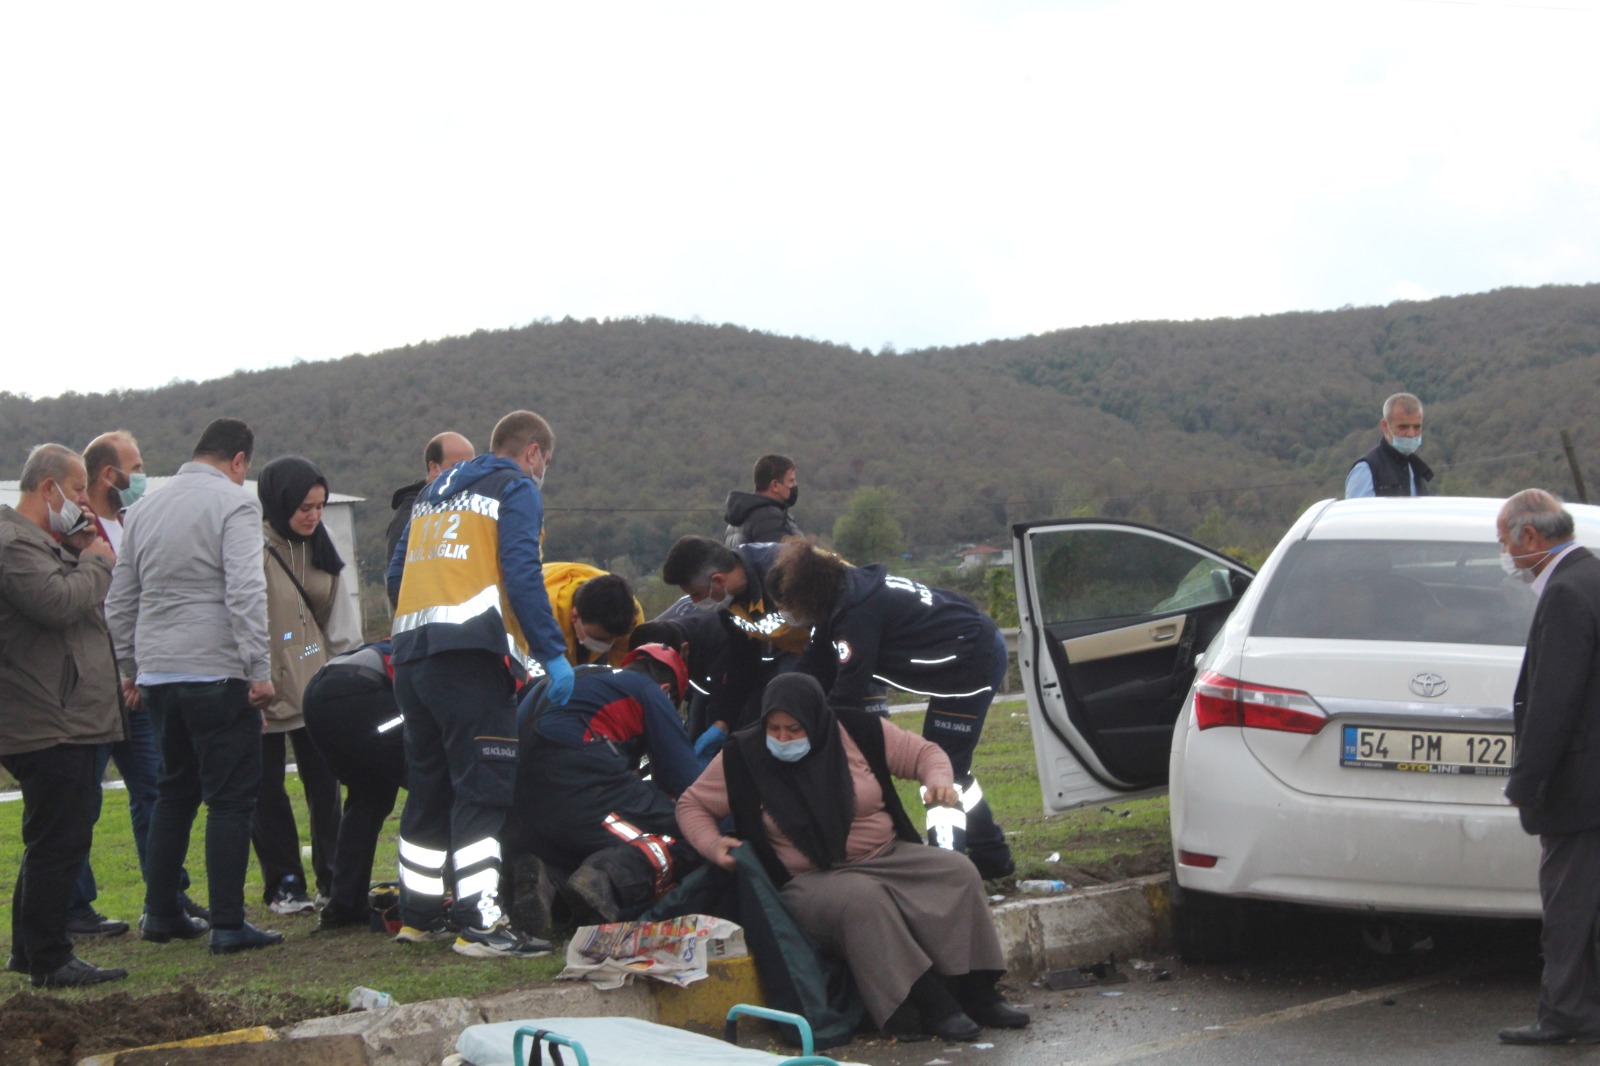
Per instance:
(1430,591)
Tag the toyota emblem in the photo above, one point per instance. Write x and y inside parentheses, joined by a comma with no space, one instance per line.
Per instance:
(1429,685)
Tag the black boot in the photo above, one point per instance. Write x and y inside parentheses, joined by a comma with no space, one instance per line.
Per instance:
(983,1003)
(941,1014)
(531,891)
(611,885)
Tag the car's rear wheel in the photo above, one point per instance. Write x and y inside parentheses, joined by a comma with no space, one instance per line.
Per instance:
(1208,927)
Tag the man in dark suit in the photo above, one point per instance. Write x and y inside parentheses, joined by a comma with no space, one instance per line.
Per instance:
(1555,781)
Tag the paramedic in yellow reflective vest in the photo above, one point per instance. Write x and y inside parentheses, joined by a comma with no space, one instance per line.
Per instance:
(472,615)
(595,610)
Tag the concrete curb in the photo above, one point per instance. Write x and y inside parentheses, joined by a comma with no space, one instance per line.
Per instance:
(1036,933)
(1077,928)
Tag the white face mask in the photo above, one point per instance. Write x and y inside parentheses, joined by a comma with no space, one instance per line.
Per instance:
(64,521)
(1508,563)
(594,644)
(711,606)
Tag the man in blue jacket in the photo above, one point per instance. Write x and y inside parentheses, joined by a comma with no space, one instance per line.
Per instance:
(471,620)
(583,807)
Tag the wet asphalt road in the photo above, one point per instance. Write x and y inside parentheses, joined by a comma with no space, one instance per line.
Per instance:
(1317,996)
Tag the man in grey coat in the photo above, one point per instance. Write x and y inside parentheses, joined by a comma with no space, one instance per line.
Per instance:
(58,695)
(1555,780)
(188,618)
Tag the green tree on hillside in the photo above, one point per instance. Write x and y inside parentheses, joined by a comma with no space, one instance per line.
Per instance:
(869,530)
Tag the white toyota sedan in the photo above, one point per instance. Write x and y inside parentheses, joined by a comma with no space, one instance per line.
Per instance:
(1335,730)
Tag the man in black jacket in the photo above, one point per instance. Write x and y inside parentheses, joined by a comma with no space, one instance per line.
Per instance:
(730,583)
(762,516)
(443,451)
(1392,468)
(1555,781)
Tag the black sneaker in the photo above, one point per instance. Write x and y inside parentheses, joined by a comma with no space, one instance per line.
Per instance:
(76,973)
(244,938)
(411,934)
(165,930)
(499,941)
(94,924)
(15,964)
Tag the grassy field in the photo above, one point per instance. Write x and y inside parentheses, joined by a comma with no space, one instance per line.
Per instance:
(321,968)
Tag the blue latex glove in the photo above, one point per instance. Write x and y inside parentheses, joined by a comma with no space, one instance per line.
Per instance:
(712,738)
(559,689)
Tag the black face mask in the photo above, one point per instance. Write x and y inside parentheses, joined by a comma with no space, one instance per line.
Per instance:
(794,496)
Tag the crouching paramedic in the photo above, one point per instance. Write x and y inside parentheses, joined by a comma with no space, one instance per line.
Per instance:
(869,624)
(472,607)
(353,720)
(582,807)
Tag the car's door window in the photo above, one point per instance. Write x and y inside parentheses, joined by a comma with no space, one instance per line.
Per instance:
(1089,574)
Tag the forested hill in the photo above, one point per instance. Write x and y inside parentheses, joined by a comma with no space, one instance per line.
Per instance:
(1226,426)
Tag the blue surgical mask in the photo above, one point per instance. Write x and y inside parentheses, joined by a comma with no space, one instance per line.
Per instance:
(788,750)
(1406,445)
(136,486)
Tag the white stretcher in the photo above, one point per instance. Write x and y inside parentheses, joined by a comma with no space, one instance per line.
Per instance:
(628,1042)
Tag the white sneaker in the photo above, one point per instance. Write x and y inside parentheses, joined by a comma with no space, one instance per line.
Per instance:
(292,903)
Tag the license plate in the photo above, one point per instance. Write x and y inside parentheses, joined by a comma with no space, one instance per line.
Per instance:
(1428,751)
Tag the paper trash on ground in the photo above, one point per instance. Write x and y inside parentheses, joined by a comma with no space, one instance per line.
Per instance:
(676,951)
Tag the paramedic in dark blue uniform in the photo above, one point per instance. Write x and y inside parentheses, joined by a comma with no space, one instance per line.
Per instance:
(581,805)
(731,583)
(703,638)
(354,721)
(930,642)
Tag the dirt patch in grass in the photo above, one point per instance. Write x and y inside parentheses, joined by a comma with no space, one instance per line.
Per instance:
(1153,859)
(46,1029)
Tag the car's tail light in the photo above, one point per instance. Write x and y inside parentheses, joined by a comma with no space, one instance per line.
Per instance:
(1196,858)
(1220,700)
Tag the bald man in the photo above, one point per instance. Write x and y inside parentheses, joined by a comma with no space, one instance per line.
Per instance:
(443,451)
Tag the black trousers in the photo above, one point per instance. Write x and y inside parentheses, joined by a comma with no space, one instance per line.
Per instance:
(60,802)
(461,762)
(955,723)
(273,829)
(344,713)
(1569,886)
(563,796)
(210,740)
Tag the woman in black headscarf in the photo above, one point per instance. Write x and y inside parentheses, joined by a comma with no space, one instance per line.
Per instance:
(811,790)
(309,619)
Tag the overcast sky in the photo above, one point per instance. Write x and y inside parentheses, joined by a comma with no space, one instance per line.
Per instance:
(190,189)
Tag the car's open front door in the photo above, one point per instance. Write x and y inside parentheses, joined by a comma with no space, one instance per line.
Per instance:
(1112,617)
